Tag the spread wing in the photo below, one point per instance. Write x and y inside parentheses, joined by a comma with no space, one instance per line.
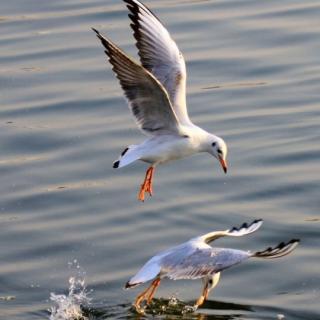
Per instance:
(147,99)
(160,55)
(244,229)
(202,262)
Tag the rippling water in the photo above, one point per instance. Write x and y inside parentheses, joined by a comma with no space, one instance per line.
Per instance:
(254,78)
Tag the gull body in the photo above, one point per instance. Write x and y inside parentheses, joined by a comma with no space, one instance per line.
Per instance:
(196,259)
(156,94)
(165,148)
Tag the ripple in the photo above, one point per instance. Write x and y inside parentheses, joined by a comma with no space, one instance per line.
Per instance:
(63,121)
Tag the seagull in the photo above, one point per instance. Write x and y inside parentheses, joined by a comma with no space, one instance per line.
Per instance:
(156,94)
(196,259)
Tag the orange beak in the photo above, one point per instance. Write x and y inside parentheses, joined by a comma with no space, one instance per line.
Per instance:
(223,165)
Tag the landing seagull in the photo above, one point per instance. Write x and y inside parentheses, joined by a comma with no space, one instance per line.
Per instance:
(196,259)
(156,95)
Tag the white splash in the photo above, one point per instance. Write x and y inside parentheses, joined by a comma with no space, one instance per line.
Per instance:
(68,307)
(189,309)
(173,301)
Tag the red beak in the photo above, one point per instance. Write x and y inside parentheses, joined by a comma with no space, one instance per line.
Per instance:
(223,165)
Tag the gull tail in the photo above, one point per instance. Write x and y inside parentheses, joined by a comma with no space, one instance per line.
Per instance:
(128,155)
(128,285)
(280,250)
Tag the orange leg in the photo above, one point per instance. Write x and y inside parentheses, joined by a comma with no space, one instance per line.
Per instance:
(144,296)
(209,285)
(203,297)
(156,284)
(139,299)
(147,184)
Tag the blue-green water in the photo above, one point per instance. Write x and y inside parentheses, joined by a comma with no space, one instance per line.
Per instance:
(253,78)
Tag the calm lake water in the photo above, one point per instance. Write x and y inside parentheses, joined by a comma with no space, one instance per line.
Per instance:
(253,78)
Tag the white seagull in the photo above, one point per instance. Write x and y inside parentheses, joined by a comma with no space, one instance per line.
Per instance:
(196,259)
(156,94)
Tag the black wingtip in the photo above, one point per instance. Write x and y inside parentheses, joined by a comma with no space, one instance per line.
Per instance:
(132,6)
(246,225)
(139,7)
(132,3)
(129,2)
(285,244)
(254,222)
(116,164)
(99,36)
(105,42)
(282,249)
(95,30)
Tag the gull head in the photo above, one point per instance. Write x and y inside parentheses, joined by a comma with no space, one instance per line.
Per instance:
(209,283)
(213,281)
(218,148)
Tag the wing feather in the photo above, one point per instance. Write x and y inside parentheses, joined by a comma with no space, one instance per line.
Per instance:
(244,229)
(202,262)
(160,55)
(147,99)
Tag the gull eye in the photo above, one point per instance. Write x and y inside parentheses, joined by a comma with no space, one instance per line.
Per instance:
(210,281)
(214,144)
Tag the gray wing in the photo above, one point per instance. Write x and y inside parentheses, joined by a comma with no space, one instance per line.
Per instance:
(147,99)
(160,55)
(201,263)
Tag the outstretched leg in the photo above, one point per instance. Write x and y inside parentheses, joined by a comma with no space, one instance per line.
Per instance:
(147,184)
(210,283)
(156,284)
(146,295)
(203,297)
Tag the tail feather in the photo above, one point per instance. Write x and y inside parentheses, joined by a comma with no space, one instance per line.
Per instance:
(280,250)
(127,156)
(128,285)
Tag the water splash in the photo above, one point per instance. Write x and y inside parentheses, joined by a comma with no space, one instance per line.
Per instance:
(69,307)
(171,306)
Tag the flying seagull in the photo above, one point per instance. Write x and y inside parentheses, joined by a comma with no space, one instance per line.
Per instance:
(156,94)
(196,259)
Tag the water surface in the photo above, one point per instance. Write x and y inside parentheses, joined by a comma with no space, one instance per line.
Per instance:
(253,78)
